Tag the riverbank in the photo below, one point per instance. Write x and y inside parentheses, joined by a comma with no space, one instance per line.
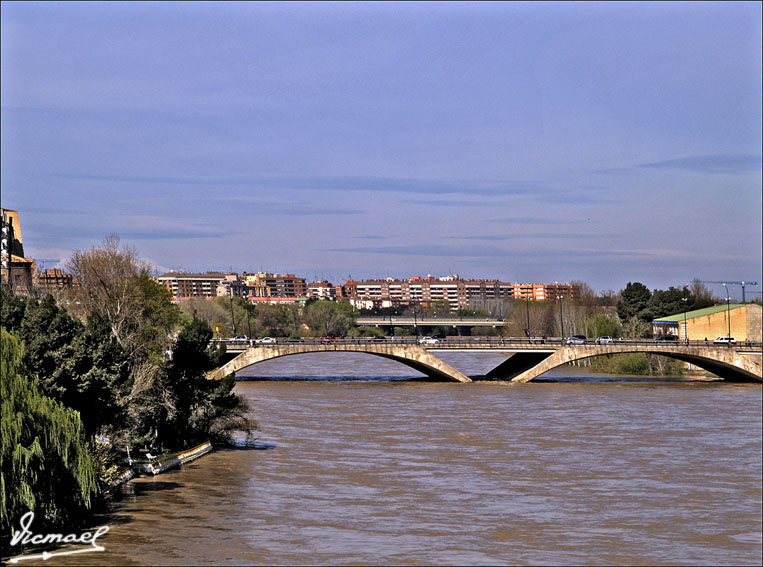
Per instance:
(162,463)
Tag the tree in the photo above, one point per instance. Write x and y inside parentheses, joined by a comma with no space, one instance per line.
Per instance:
(45,466)
(670,302)
(11,308)
(199,402)
(701,293)
(109,285)
(604,326)
(634,302)
(81,366)
(330,318)
(438,308)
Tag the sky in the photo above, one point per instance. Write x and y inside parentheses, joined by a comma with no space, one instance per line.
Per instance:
(528,142)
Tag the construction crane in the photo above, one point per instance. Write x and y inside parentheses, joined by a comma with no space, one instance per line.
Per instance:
(743,284)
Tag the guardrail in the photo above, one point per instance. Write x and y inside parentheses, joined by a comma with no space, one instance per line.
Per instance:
(479,341)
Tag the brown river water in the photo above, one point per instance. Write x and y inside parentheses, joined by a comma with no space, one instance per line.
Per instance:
(368,468)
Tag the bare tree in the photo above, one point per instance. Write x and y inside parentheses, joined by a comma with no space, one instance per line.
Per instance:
(700,291)
(107,278)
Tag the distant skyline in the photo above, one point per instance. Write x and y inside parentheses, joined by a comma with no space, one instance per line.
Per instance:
(529,142)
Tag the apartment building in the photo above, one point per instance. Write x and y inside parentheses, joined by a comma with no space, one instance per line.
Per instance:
(189,284)
(460,293)
(266,284)
(321,290)
(232,286)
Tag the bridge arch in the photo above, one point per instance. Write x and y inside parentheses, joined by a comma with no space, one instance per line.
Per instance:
(722,361)
(412,356)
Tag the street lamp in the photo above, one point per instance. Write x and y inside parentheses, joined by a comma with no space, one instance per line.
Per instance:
(248,320)
(527,304)
(233,319)
(728,312)
(685,300)
(561,315)
(415,324)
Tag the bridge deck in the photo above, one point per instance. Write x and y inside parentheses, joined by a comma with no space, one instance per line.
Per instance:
(529,358)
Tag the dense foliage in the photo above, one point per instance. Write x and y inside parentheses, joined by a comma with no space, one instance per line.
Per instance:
(45,465)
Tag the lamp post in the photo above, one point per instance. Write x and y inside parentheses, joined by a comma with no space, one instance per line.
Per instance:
(561,316)
(415,324)
(728,312)
(685,300)
(527,305)
(233,319)
(248,321)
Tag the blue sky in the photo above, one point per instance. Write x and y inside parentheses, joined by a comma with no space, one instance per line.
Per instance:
(529,142)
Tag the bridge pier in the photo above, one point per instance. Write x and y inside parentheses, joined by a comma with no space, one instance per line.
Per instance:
(516,364)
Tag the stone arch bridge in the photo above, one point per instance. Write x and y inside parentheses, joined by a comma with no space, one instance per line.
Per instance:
(526,362)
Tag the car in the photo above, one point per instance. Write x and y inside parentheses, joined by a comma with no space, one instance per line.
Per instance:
(294,340)
(240,338)
(576,340)
(604,340)
(429,341)
(538,340)
(378,339)
(266,341)
(725,341)
(328,340)
(666,339)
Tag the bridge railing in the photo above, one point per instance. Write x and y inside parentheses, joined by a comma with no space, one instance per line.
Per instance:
(475,342)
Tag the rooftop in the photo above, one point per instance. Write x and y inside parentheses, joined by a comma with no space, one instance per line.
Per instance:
(698,313)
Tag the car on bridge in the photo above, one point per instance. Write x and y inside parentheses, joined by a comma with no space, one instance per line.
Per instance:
(576,340)
(429,341)
(266,341)
(604,340)
(725,341)
(667,339)
(328,340)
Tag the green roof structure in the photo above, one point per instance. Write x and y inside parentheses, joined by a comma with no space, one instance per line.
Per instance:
(697,313)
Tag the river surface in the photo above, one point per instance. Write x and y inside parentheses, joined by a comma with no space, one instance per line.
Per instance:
(369,468)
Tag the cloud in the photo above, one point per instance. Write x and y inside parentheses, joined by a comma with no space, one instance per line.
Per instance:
(348,183)
(539,220)
(436,203)
(544,235)
(482,251)
(712,163)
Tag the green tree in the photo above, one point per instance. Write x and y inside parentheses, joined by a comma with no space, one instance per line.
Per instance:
(83,367)
(330,318)
(199,404)
(634,302)
(604,325)
(670,302)
(44,463)
(12,309)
